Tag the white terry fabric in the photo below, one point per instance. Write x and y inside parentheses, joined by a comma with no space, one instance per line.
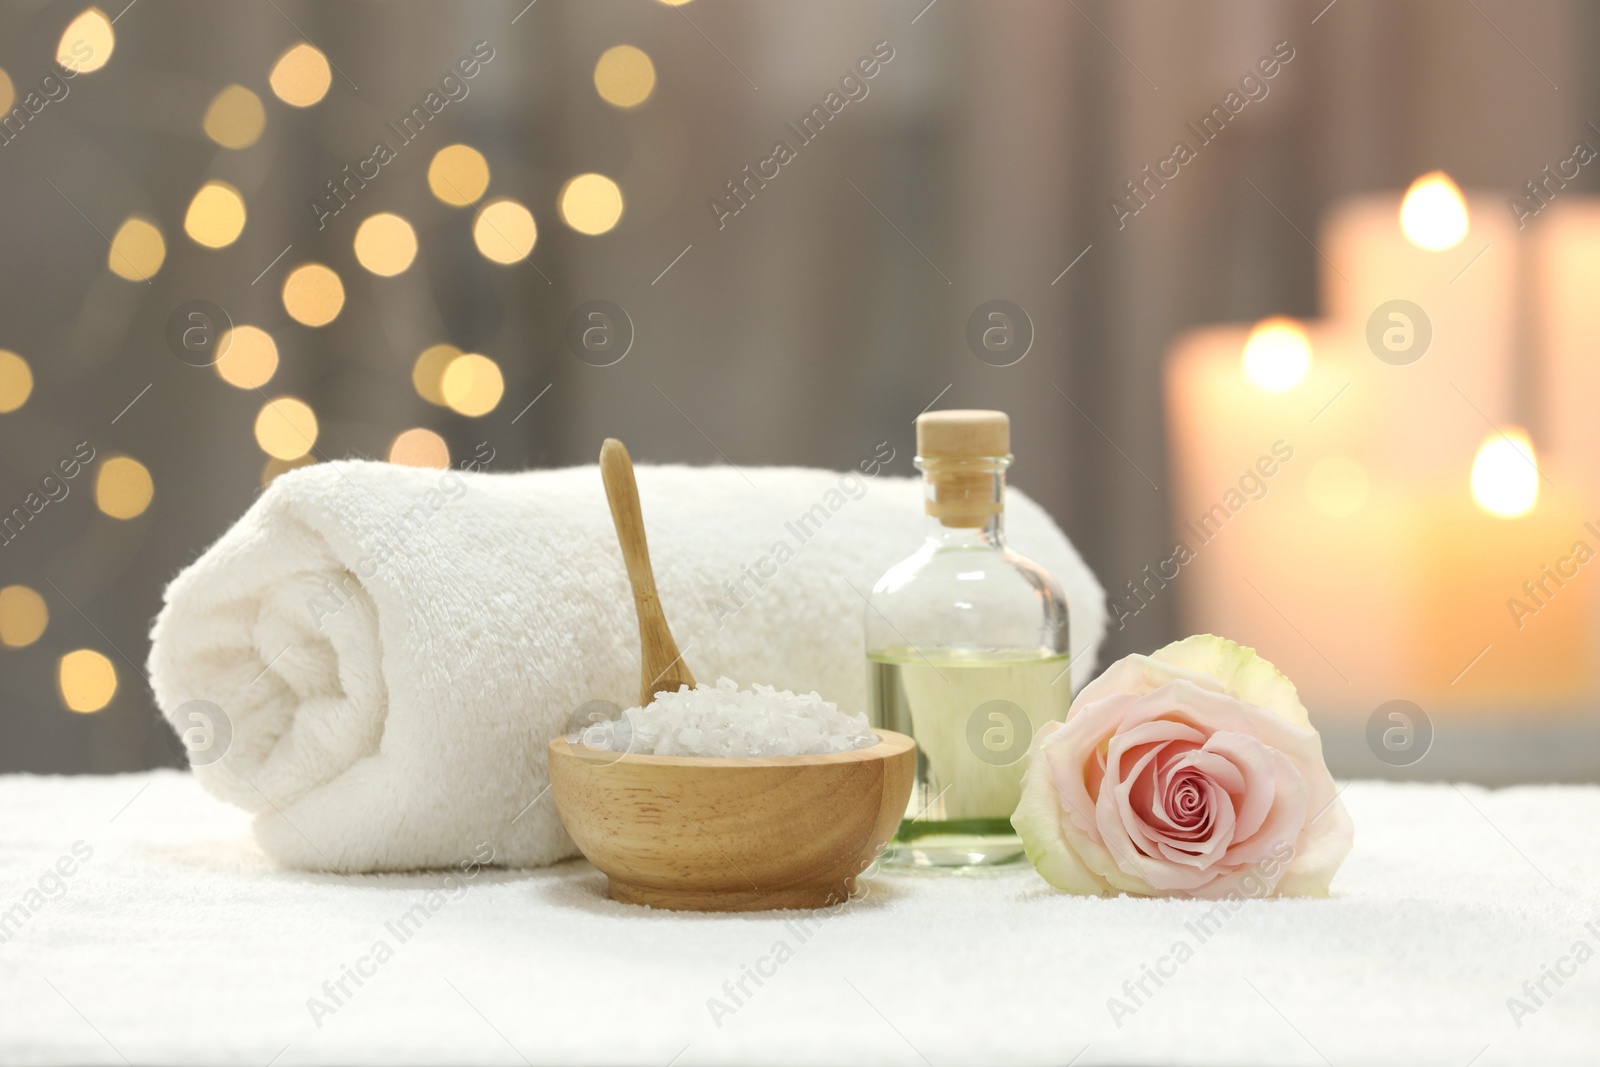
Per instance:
(393,648)
(179,942)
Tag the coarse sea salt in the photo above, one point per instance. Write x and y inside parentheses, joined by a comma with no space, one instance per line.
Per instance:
(724,720)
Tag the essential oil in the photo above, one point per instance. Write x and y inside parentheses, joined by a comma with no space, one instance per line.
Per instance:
(968,652)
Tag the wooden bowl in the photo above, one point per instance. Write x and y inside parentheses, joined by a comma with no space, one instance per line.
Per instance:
(707,834)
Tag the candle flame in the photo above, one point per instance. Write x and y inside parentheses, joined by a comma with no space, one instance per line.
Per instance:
(1505,474)
(1433,214)
(1277,355)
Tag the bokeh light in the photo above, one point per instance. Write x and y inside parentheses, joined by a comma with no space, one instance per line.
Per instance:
(458,175)
(1338,487)
(286,427)
(16,381)
(137,251)
(624,76)
(313,294)
(23,616)
(386,244)
(427,374)
(505,231)
(472,385)
(591,203)
(1433,214)
(420,448)
(87,42)
(249,357)
(301,76)
(275,467)
(235,118)
(7,92)
(1505,474)
(123,488)
(216,215)
(1277,355)
(88,680)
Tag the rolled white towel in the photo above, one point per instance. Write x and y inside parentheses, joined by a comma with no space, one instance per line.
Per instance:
(393,648)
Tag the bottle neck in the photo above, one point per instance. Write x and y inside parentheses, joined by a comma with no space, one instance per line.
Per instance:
(965,500)
(992,534)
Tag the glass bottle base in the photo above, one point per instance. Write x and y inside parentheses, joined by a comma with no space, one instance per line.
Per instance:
(956,845)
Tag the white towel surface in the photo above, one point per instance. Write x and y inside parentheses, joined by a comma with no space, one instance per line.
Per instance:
(392,648)
(178,941)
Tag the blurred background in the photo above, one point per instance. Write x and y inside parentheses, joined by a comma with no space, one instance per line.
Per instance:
(242,237)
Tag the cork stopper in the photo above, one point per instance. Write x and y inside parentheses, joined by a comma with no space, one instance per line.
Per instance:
(963,456)
(963,434)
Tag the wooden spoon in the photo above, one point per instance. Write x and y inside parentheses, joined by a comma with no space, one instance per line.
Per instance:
(663,669)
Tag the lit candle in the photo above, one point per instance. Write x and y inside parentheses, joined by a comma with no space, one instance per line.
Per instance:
(1428,279)
(1281,532)
(1507,571)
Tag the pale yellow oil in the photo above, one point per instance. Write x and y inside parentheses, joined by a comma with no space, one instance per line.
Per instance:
(972,715)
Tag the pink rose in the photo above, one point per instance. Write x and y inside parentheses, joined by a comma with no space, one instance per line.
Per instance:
(1191,772)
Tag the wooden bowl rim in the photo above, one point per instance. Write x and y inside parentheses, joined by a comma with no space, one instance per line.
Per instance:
(889,744)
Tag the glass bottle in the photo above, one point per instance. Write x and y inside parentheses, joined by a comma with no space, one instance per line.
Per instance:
(967,651)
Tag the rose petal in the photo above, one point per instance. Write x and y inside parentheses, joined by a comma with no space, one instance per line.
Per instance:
(1236,670)
(1039,821)
(1121,788)
(1135,676)
(1214,766)
(1284,820)
(1129,756)
(1137,729)
(1053,750)
(1075,750)
(1253,763)
(1321,848)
